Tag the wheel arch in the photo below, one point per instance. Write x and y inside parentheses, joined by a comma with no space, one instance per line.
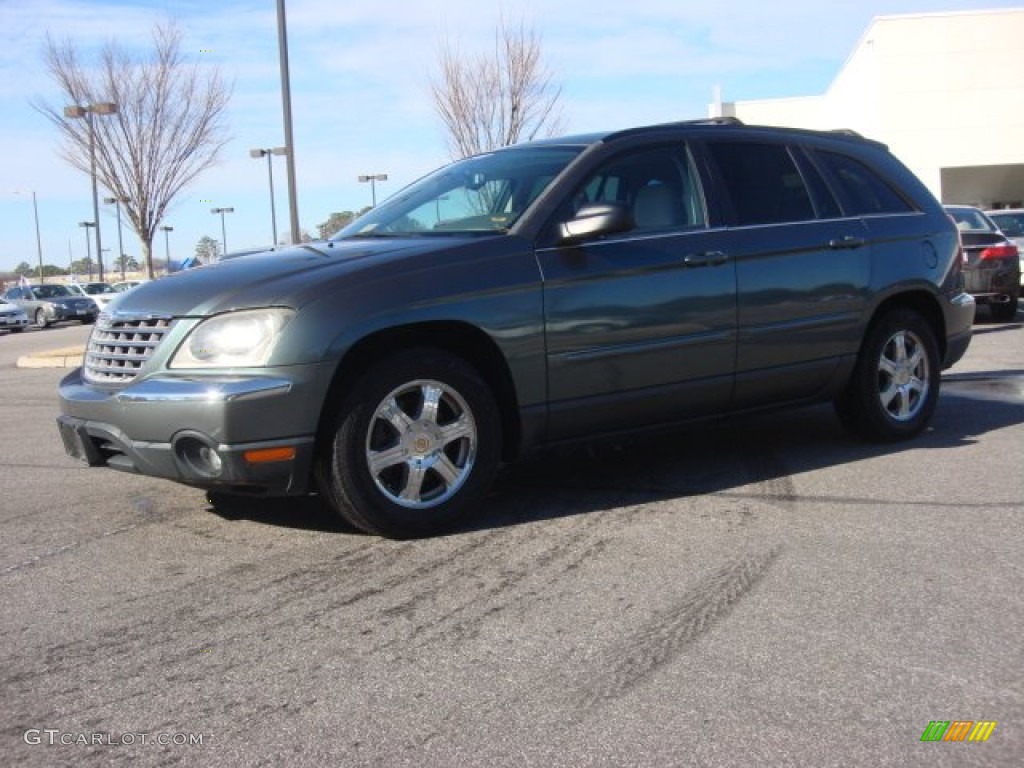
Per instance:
(922,302)
(461,339)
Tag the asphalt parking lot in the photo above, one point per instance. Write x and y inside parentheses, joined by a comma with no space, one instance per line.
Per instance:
(764,593)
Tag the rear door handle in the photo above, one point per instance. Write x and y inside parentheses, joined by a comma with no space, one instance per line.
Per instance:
(847,242)
(706,259)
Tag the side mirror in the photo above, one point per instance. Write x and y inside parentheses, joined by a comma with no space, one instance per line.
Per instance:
(595,219)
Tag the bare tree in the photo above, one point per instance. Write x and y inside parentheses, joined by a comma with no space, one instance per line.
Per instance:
(169,126)
(490,100)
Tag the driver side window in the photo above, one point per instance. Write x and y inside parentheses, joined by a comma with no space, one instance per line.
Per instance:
(658,185)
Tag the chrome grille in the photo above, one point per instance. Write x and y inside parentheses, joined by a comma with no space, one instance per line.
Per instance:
(119,347)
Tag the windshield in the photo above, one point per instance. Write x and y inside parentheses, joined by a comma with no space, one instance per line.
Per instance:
(94,288)
(50,291)
(971,220)
(483,194)
(1011,223)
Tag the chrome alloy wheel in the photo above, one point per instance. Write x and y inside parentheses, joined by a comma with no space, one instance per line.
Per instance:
(904,376)
(421,444)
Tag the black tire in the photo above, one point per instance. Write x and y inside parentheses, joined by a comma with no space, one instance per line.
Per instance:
(433,425)
(1004,313)
(18,329)
(40,319)
(895,384)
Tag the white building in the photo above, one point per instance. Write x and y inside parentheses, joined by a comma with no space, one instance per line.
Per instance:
(945,91)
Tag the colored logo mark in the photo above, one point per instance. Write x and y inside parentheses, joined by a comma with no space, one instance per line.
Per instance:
(958,730)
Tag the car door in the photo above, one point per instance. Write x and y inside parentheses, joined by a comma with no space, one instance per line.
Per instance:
(640,326)
(803,270)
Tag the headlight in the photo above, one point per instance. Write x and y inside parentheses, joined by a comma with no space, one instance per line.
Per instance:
(236,339)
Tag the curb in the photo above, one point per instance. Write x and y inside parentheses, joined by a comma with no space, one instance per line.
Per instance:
(67,357)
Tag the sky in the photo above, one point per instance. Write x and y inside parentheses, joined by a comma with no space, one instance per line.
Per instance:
(361,102)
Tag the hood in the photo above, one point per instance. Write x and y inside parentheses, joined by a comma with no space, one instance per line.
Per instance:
(290,277)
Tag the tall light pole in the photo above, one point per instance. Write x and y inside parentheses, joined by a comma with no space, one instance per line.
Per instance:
(286,108)
(88,251)
(257,154)
(373,179)
(99,108)
(39,240)
(167,246)
(223,228)
(120,242)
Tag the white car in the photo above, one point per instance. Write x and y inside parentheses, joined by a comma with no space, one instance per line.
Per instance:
(127,285)
(101,293)
(12,317)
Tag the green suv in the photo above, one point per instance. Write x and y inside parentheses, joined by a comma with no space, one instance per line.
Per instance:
(545,292)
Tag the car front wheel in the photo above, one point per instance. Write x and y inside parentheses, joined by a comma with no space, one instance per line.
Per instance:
(41,321)
(895,384)
(414,445)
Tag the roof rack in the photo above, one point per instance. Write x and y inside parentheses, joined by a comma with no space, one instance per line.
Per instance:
(721,120)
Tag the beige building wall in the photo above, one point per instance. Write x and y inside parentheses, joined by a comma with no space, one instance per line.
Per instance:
(945,91)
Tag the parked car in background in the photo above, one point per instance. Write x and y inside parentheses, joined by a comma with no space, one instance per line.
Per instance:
(101,293)
(544,292)
(12,317)
(52,303)
(991,262)
(127,285)
(1011,222)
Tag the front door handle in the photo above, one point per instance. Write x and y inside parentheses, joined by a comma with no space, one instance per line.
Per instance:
(705,259)
(846,243)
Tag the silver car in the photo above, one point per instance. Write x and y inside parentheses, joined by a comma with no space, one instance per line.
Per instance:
(12,317)
(52,303)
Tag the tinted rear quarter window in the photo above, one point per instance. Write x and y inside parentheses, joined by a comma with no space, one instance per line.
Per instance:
(862,190)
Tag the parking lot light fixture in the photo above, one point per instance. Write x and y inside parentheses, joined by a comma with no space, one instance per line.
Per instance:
(268,153)
(39,240)
(373,179)
(223,227)
(75,112)
(88,247)
(120,241)
(167,246)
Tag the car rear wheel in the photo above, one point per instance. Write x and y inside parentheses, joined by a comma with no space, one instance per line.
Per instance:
(414,445)
(895,384)
(40,318)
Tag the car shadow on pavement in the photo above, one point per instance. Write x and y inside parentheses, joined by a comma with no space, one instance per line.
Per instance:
(578,479)
(764,450)
(307,513)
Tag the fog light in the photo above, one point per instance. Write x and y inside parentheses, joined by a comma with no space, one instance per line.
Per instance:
(199,456)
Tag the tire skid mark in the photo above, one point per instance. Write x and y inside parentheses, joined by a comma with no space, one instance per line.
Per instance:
(518,586)
(56,551)
(464,610)
(670,631)
(142,506)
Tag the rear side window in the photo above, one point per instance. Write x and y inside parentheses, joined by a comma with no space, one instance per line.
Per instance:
(862,190)
(763,182)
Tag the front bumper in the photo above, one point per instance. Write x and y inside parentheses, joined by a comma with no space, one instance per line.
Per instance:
(57,314)
(243,434)
(13,321)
